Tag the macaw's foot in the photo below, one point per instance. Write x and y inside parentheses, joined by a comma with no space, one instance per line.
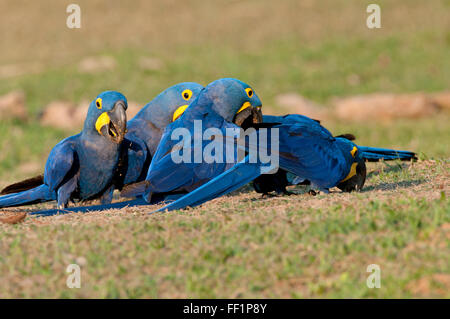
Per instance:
(269,195)
(277,194)
(312,192)
(285,193)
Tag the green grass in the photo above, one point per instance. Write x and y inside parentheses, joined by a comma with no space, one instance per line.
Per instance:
(398,63)
(294,246)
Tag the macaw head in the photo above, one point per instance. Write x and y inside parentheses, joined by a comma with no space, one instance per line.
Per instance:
(356,177)
(235,101)
(174,100)
(107,116)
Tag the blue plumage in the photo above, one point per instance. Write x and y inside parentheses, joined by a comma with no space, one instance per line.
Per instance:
(217,106)
(279,181)
(307,150)
(376,154)
(82,166)
(146,128)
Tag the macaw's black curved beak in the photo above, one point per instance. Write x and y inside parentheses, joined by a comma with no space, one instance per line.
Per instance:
(116,128)
(247,117)
(355,183)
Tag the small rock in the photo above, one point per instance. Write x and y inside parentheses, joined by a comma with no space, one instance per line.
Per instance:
(80,112)
(14,218)
(383,107)
(295,103)
(97,64)
(12,106)
(133,109)
(59,114)
(442,100)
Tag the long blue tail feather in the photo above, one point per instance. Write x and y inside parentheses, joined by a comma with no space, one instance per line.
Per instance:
(375,154)
(38,194)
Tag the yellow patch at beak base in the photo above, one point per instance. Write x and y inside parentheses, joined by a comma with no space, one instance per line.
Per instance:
(352,172)
(179,111)
(244,106)
(102,120)
(353,151)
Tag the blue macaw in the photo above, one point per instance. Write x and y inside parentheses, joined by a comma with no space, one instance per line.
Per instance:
(224,104)
(277,182)
(308,151)
(82,166)
(146,128)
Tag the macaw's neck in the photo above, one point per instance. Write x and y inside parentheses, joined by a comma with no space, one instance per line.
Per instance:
(98,142)
(98,159)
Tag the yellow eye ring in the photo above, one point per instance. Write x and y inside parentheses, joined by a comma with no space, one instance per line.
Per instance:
(249,92)
(98,103)
(186,94)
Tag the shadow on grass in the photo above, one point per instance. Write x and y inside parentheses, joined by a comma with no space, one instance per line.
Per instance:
(393,185)
(388,169)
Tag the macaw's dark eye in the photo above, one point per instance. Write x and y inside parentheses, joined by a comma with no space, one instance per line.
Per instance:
(98,103)
(186,94)
(249,92)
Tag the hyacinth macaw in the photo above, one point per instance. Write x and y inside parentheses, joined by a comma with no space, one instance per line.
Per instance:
(224,104)
(146,128)
(142,138)
(281,179)
(82,167)
(308,151)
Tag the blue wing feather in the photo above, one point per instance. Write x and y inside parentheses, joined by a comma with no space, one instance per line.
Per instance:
(60,163)
(166,175)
